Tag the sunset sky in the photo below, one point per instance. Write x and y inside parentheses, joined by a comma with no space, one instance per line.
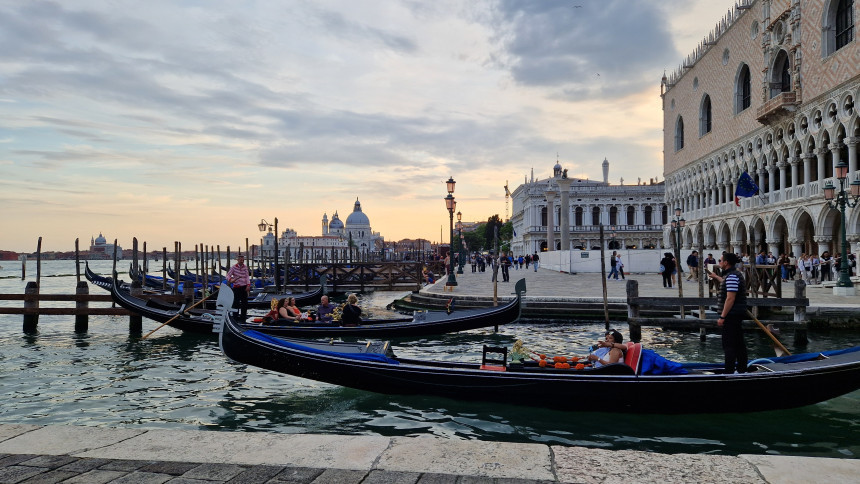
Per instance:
(194,120)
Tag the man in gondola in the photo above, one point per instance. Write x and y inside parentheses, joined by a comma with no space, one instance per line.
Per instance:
(240,278)
(732,301)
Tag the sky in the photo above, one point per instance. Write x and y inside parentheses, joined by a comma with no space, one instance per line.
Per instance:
(193,120)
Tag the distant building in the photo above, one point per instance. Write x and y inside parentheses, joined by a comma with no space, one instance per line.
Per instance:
(100,249)
(561,213)
(332,243)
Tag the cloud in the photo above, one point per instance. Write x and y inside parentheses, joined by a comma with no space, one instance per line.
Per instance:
(606,47)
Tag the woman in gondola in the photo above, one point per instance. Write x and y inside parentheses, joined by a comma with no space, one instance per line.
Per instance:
(351,314)
(287,310)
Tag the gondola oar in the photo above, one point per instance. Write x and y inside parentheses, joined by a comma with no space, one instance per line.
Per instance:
(763,328)
(179,313)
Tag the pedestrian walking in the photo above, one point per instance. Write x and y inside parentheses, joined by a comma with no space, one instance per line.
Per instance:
(535,261)
(667,267)
(693,265)
(613,266)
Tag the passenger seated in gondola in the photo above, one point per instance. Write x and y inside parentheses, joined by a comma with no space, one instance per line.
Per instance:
(609,350)
(272,315)
(351,315)
(325,310)
(287,310)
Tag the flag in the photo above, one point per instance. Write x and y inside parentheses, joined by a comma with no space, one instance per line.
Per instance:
(746,188)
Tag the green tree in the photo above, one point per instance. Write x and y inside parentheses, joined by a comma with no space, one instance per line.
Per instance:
(489,230)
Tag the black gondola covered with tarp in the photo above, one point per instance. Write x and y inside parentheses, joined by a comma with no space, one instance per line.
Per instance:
(774,384)
(419,324)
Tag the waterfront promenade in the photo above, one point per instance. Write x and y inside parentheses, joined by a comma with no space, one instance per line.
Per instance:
(586,287)
(70,454)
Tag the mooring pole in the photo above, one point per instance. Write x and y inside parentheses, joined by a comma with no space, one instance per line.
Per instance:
(603,278)
(82,305)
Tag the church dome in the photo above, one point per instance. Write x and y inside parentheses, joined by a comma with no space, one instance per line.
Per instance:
(100,240)
(357,217)
(335,222)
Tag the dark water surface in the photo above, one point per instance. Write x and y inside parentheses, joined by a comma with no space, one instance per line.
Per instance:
(107,377)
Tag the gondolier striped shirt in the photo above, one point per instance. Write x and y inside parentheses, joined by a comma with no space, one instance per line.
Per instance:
(240,275)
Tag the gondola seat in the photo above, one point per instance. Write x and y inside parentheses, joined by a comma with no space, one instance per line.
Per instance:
(633,356)
(497,363)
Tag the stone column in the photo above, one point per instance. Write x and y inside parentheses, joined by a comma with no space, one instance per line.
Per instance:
(823,243)
(781,165)
(796,246)
(771,185)
(834,148)
(794,161)
(807,159)
(564,223)
(852,154)
(761,179)
(550,220)
(821,152)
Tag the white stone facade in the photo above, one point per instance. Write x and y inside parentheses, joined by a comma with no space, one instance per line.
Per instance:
(771,92)
(634,213)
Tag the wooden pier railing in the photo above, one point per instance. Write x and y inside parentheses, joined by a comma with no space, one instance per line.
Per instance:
(635,303)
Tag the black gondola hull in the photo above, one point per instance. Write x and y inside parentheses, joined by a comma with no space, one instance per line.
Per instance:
(613,388)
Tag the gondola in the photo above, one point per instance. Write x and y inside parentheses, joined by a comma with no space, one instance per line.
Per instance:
(95,279)
(420,324)
(789,382)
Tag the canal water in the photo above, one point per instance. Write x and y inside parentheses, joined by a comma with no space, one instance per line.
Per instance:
(108,377)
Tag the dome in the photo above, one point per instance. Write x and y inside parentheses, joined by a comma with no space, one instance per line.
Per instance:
(335,222)
(357,217)
(100,240)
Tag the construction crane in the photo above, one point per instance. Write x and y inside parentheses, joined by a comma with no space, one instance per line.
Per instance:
(507,199)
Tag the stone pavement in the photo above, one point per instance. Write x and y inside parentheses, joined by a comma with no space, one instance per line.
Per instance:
(547,284)
(69,454)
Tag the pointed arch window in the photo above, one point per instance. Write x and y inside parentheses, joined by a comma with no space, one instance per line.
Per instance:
(743,90)
(705,116)
(780,78)
(679,134)
(838,27)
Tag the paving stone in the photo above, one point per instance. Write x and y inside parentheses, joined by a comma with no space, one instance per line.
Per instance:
(96,476)
(51,477)
(50,461)
(185,480)
(256,475)
(125,465)
(14,474)
(477,480)
(298,474)
(214,472)
(394,477)
(143,478)
(84,464)
(433,478)
(172,468)
(340,476)
(12,459)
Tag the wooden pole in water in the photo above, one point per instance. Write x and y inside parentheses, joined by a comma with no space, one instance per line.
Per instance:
(134,258)
(164,269)
(82,304)
(701,280)
(39,264)
(23,267)
(176,247)
(145,260)
(77,264)
(603,277)
(32,290)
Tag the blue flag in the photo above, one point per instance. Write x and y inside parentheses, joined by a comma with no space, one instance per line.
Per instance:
(746,188)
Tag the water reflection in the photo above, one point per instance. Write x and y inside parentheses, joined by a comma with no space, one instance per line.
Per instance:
(108,377)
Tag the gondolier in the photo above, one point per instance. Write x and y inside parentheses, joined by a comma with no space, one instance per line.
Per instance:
(240,279)
(733,306)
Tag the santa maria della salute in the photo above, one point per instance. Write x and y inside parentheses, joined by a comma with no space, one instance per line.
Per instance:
(334,239)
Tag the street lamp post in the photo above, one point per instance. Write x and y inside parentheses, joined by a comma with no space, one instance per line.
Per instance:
(451,205)
(677,224)
(841,202)
(460,254)
(263,225)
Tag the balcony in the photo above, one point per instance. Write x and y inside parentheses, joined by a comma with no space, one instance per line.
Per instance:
(781,105)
